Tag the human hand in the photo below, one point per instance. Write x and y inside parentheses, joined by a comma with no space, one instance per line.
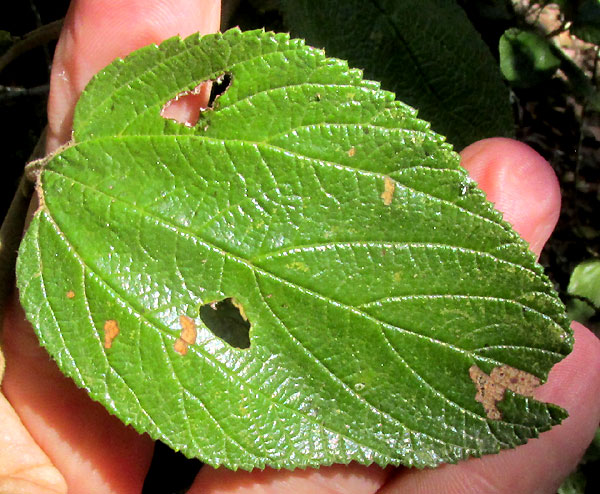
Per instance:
(90,451)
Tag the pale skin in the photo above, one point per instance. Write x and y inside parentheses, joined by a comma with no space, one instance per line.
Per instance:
(54,439)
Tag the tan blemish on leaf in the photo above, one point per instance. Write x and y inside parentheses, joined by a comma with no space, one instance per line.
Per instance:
(297,265)
(188,329)
(111,330)
(180,346)
(491,389)
(187,335)
(388,191)
(70,294)
(351,151)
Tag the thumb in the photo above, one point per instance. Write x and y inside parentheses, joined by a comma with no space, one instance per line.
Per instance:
(520,183)
(98,31)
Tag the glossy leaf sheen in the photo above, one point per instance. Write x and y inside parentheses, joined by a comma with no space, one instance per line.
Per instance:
(372,270)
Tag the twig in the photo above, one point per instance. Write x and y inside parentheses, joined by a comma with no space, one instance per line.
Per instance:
(8,92)
(39,23)
(565,26)
(33,39)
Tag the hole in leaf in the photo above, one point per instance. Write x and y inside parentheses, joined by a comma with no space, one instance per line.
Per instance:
(227,321)
(219,86)
(186,107)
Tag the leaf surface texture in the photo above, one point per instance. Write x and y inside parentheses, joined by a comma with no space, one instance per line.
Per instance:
(370,268)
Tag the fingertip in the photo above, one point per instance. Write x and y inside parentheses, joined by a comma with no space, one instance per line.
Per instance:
(520,183)
(98,31)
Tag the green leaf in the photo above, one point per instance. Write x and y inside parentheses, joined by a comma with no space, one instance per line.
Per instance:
(584,285)
(375,277)
(573,484)
(526,58)
(426,51)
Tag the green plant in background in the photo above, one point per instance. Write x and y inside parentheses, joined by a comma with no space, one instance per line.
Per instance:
(442,68)
(530,54)
(584,287)
(526,58)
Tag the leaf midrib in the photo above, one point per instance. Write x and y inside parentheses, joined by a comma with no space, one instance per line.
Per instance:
(255,269)
(181,230)
(209,358)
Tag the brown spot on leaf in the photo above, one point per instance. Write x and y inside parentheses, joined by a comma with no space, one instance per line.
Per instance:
(516,380)
(111,330)
(188,329)
(70,294)
(187,335)
(388,191)
(491,389)
(351,151)
(180,346)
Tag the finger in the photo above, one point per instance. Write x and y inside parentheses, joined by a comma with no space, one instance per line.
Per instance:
(93,450)
(540,465)
(520,183)
(24,468)
(98,31)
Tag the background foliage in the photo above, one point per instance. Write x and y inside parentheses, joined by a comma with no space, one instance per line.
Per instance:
(548,57)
